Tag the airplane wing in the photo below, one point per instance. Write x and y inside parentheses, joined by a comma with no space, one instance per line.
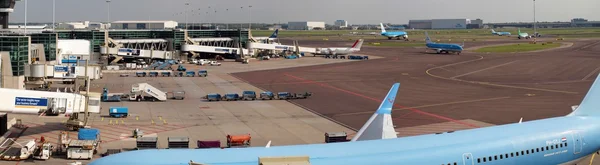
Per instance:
(380,125)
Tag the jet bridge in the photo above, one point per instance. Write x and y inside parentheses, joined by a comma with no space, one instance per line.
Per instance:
(137,48)
(279,47)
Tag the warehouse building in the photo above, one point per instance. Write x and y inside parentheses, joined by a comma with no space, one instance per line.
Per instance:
(446,24)
(143,25)
(306,26)
(419,24)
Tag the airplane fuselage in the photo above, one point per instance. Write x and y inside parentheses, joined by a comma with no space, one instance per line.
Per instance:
(500,33)
(397,34)
(335,51)
(524,35)
(444,48)
(560,140)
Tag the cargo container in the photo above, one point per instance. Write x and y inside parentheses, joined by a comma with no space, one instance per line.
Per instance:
(213,97)
(81,149)
(238,140)
(209,144)
(88,134)
(203,73)
(118,112)
(249,95)
(267,95)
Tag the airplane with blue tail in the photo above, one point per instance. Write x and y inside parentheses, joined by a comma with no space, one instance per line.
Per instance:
(563,140)
(500,33)
(393,34)
(270,38)
(443,47)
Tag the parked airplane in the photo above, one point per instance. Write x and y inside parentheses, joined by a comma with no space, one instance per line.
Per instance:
(394,34)
(340,51)
(500,33)
(523,35)
(559,140)
(442,47)
(272,37)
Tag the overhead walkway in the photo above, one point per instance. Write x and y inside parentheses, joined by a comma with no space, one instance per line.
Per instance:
(211,49)
(279,47)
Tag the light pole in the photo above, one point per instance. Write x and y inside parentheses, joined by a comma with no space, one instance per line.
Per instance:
(53,14)
(186,15)
(534,24)
(108,11)
(250,15)
(26,16)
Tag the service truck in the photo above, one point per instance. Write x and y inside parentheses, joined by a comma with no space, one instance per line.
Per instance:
(144,91)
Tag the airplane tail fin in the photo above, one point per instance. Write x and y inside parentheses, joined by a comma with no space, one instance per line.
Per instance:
(382,28)
(358,44)
(590,106)
(519,30)
(493,31)
(275,34)
(380,125)
(427,39)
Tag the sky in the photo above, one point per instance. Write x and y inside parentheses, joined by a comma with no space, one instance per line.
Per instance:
(275,11)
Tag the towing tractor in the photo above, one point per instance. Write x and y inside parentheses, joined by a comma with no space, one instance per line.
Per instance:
(44,152)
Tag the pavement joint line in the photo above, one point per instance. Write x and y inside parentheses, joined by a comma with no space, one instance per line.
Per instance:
(428,72)
(591,74)
(370,98)
(429,105)
(484,69)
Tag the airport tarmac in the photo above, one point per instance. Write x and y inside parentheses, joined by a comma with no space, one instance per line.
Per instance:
(278,121)
(486,88)
(438,93)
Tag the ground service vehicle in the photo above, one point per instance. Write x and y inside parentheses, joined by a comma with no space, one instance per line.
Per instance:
(213,97)
(203,73)
(232,97)
(249,95)
(267,95)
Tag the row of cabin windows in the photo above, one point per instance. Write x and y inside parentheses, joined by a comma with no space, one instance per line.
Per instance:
(525,152)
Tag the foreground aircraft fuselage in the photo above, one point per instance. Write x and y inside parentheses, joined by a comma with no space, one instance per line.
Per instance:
(560,140)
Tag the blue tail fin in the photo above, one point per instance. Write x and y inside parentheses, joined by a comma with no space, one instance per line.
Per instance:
(380,125)
(590,106)
(274,35)
(388,102)
(427,39)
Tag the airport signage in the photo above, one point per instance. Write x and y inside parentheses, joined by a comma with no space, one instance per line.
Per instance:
(30,102)
(221,50)
(281,47)
(61,69)
(128,52)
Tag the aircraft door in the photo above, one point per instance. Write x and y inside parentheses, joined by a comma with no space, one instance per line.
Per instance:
(577,140)
(468,159)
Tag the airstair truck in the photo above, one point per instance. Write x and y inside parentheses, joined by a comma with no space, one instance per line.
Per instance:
(145,91)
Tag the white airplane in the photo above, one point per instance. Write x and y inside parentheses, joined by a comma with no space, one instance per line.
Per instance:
(340,51)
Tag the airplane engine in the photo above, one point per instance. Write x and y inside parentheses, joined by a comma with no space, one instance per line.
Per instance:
(405,36)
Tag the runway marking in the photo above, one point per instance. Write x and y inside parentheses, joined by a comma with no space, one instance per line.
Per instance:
(374,99)
(430,105)
(484,69)
(587,46)
(428,72)
(591,74)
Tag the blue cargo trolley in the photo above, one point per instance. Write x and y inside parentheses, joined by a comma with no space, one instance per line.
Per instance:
(203,73)
(118,112)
